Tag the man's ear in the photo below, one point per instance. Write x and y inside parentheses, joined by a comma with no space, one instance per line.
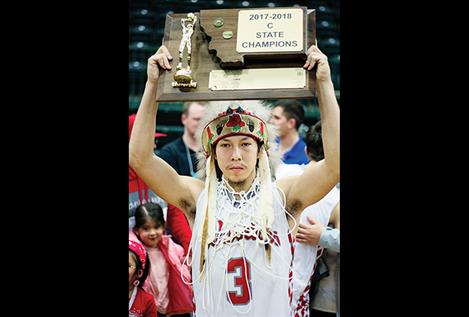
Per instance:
(183,119)
(291,123)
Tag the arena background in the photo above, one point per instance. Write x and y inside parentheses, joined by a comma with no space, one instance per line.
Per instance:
(146,28)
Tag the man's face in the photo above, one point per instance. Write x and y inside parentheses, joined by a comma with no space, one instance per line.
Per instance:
(237,157)
(280,122)
(191,120)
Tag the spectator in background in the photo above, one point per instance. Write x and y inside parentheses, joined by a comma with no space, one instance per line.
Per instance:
(181,154)
(139,193)
(168,280)
(141,303)
(313,141)
(287,116)
(315,233)
(324,297)
(314,282)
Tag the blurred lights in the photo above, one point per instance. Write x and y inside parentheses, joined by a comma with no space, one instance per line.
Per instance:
(220,2)
(271,4)
(245,3)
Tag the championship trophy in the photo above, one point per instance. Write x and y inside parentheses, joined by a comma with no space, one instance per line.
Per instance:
(235,54)
(183,77)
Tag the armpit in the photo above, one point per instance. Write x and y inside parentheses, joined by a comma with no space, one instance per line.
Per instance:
(187,207)
(294,206)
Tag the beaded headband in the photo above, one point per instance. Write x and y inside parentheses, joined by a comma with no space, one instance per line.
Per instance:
(233,121)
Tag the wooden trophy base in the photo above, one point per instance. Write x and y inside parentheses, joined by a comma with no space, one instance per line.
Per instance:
(219,72)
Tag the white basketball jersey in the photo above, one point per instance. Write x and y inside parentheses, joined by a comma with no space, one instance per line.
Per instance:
(305,254)
(238,280)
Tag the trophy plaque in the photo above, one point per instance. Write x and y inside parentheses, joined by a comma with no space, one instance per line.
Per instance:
(235,54)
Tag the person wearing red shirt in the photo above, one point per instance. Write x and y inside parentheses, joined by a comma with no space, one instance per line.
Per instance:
(141,303)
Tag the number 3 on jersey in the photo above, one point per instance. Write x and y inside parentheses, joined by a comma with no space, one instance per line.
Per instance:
(240,273)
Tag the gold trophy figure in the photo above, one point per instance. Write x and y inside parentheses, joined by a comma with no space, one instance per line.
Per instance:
(183,76)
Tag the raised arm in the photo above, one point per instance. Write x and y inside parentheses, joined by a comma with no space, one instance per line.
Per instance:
(318,177)
(181,191)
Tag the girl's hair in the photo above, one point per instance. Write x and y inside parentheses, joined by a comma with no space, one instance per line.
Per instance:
(149,210)
(139,266)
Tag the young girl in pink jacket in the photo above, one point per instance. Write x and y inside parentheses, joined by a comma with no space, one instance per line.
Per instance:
(168,279)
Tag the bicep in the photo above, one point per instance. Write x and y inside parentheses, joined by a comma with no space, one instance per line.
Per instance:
(175,189)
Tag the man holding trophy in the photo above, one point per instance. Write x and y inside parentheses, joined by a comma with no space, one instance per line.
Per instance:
(241,217)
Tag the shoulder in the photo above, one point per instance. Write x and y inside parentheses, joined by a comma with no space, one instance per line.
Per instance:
(149,300)
(279,194)
(284,170)
(285,182)
(300,151)
(143,296)
(300,142)
(292,204)
(334,194)
(174,247)
(297,154)
(200,200)
(165,241)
